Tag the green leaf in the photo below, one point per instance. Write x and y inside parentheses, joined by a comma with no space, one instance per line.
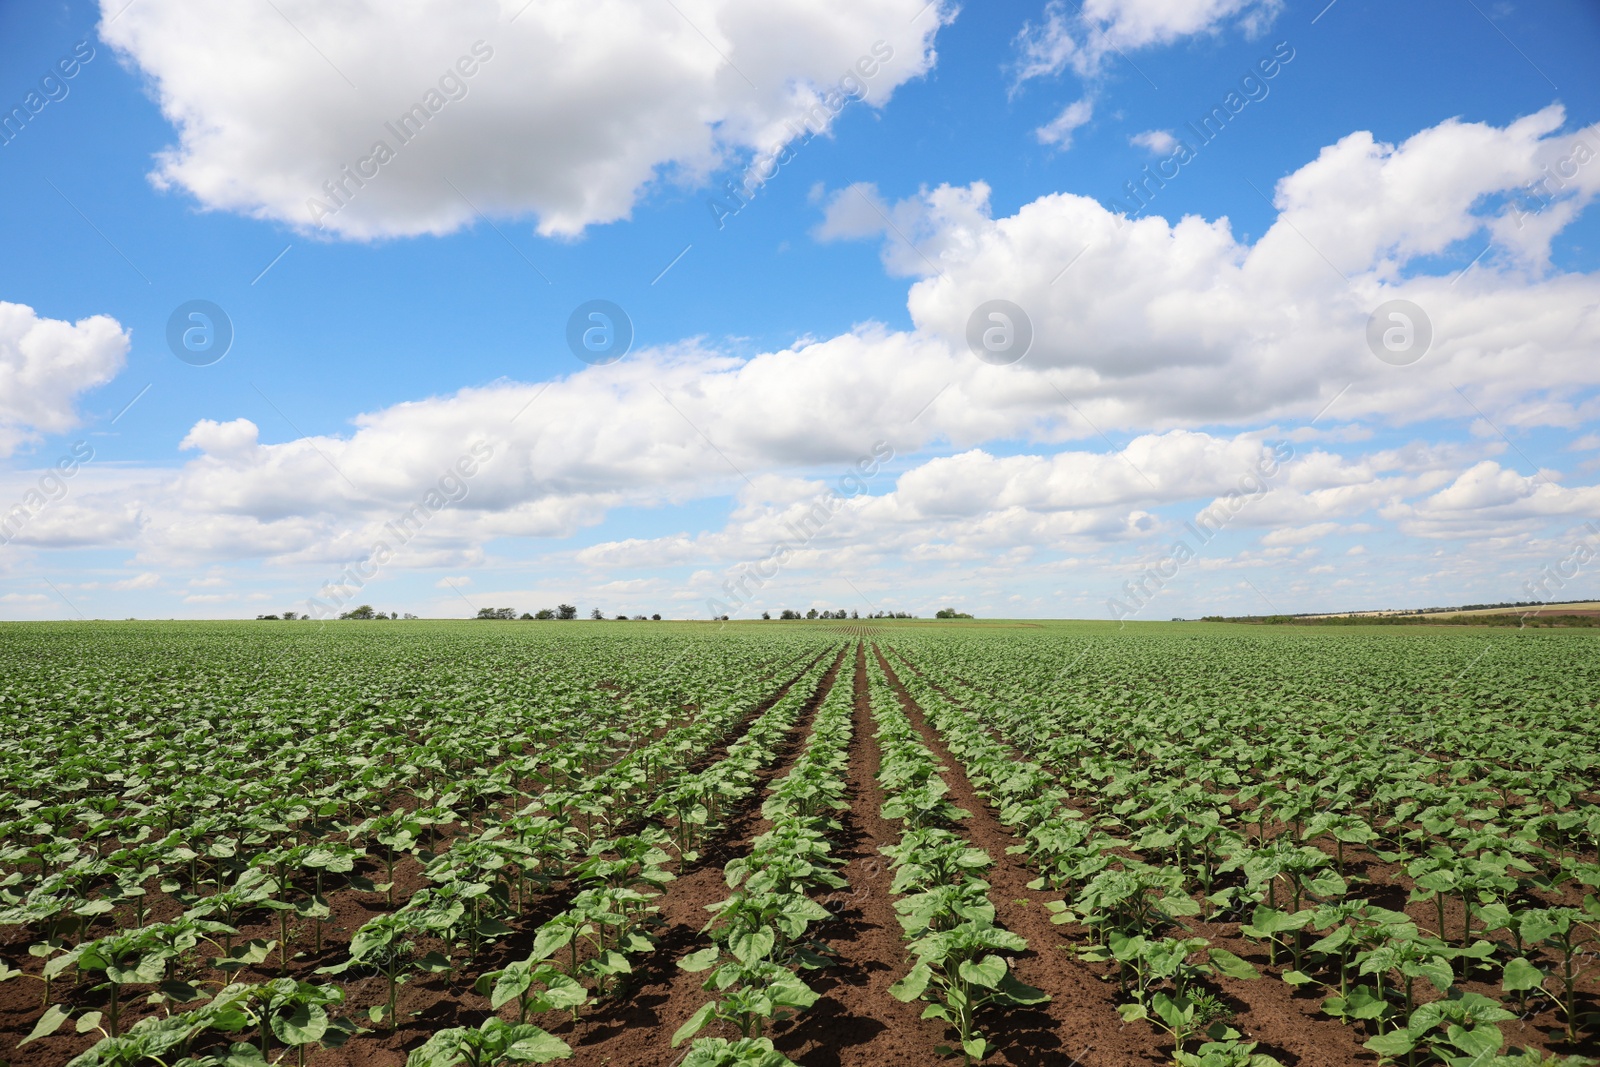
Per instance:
(753,946)
(1438,971)
(304,1025)
(987,972)
(243,1054)
(911,986)
(1174,1011)
(1394,1043)
(537,1047)
(1520,975)
(48,1023)
(696,1023)
(88,1021)
(1234,967)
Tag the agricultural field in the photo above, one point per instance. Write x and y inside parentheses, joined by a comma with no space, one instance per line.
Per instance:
(841,843)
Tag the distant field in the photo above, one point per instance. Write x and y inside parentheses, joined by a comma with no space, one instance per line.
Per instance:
(1588,607)
(1033,843)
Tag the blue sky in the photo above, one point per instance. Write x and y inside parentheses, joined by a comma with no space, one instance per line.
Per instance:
(814,322)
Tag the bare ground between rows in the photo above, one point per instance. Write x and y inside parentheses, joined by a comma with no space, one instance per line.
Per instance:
(1538,1024)
(1080,1024)
(856,1023)
(424,1004)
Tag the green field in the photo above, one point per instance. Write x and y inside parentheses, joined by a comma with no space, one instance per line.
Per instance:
(431,843)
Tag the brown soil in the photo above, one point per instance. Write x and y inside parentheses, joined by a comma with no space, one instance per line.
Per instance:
(857,1023)
(1080,1024)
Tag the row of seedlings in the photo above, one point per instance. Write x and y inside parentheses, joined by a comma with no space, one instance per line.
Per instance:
(961,966)
(762,934)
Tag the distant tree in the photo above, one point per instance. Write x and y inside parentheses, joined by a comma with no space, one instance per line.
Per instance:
(363,612)
(497,613)
(524,617)
(950,613)
(597,614)
(640,618)
(765,615)
(544,613)
(290,616)
(622,618)
(811,614)
(655,618)
(263,618)
(787,614)
(853,615)
(408,615)
(566,611)
(724,618)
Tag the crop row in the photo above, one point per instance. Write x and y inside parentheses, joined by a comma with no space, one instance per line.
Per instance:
(762,934)
(961,964)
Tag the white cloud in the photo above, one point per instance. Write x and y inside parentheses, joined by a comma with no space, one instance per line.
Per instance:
(1162,323)
(569,111)
(226,440)
(1488,500)
(45,364)
(1059,130)
(1084,37)
(1157,142)
(1299,535)
(920,233)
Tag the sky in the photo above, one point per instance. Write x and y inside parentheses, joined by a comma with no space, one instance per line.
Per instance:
(1132,309)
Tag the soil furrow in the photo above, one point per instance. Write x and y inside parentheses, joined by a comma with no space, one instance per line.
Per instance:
(1080,1024)
(857,1023)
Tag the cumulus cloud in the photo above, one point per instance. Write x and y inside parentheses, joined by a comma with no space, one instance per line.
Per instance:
(921,233)
(45,365)
(1151,322)
(564,112)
